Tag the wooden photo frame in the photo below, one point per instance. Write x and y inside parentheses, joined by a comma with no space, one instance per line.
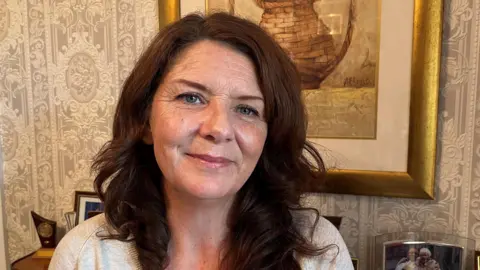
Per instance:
(87,204)
(477,260)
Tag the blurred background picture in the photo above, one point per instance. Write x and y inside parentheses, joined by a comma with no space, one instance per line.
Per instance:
(422,256)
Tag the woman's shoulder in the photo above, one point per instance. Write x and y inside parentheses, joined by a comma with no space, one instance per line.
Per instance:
(87,230)
(313,226)
(83,247)
(324,235)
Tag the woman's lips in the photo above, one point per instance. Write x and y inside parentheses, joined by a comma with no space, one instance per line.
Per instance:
(211,161)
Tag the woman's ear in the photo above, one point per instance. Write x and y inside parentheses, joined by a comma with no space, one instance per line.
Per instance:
(147,136)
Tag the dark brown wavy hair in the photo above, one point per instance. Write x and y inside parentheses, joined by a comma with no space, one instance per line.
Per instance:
(263,234)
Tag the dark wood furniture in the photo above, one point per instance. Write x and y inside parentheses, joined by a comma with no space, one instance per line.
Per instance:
(39,260)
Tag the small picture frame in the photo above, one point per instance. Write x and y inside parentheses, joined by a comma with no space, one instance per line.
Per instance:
(477,260)
(87,205)
(355,263)
(422,255)
(423,250)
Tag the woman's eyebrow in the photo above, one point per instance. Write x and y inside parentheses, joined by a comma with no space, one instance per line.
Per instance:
(204,88)
(193,84)
(249,97)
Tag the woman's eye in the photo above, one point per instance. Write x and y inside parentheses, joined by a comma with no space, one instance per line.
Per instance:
(190,98)
(246,110)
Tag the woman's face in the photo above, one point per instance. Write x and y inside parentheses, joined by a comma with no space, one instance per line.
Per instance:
(412,254)
(207,122)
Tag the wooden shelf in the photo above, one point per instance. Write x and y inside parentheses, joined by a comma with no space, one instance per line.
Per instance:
(36,261)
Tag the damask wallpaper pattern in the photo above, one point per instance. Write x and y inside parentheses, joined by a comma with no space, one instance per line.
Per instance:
(62,64)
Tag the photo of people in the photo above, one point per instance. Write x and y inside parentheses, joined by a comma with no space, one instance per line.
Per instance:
(93,208)
(87,205)
(422,256)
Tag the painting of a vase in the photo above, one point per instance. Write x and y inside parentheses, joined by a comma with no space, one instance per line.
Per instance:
(297,28)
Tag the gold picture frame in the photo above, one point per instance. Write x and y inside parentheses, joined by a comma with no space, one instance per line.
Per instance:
(418,181)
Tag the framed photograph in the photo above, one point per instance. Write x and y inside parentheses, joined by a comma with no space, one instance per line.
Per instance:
(423,250)
(422,255)
(370,81)
(87,205)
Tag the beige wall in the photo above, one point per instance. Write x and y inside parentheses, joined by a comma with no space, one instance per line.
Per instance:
(61,68)
(62,64)
(4,260)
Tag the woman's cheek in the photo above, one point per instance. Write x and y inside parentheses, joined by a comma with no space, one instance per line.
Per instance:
(251,134)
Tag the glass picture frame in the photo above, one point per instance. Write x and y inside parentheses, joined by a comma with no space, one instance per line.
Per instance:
(423,250)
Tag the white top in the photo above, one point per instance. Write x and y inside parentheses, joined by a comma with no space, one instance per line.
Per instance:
(82,249)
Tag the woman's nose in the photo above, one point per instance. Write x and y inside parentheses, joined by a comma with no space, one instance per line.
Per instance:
(216,125)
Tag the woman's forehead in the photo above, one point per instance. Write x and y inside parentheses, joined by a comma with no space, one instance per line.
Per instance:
(211,54)
(215,65)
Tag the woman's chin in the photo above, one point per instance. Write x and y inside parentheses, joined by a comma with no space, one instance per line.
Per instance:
(193,184)
(209,191)
(210,194)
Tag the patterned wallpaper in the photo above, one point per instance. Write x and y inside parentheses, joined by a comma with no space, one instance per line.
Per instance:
(62,64)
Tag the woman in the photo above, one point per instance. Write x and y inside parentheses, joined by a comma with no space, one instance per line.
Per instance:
(207,162)
(425,261)
(408,263)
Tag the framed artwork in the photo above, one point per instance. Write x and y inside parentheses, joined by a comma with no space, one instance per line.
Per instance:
(370,82)
(477,260)
(87,205)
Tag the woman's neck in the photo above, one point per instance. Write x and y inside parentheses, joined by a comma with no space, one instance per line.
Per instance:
(198,228)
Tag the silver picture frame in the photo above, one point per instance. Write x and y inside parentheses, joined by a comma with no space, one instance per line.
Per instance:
(423,250)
